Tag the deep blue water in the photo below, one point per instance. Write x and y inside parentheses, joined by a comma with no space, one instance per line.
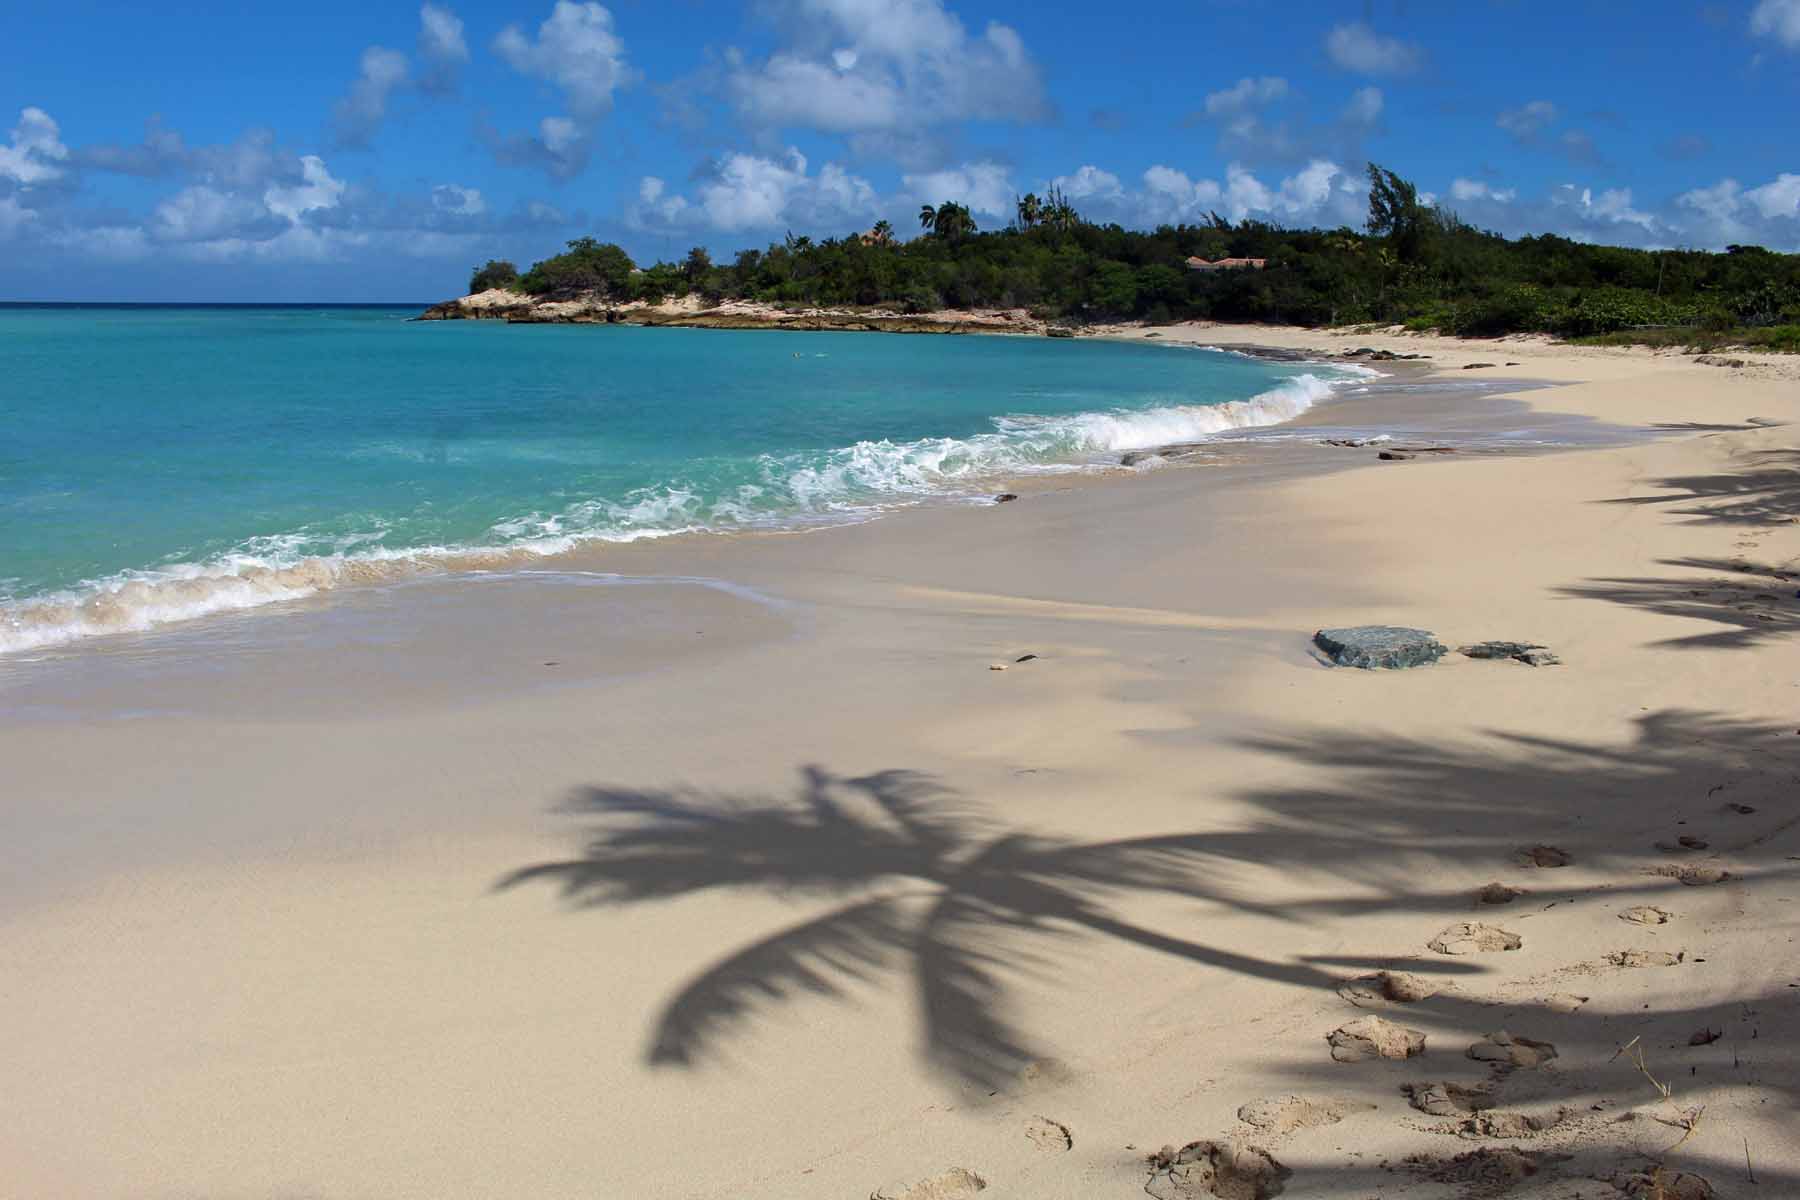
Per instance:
(163,462)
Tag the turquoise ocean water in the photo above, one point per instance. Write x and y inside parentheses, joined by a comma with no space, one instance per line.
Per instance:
(158,464)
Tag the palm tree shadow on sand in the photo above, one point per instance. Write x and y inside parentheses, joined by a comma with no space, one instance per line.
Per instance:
(1748,603)
(926,887)
(923,887)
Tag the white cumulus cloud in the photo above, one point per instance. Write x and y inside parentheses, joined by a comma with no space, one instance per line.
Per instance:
(1729,212)
(37,153)
(867,67)
(1778,19)
(983,187)
(1364,107)
(1528,120)
(201,213)
(1356,47)
(1474,189)
(1320,193)
(1245,94)
(749,191)
(458,200)
(1780,198)
(1089,183)
(360,113)
(576,49)
(317,189)
(1611,206)
(13,216)
(441,48)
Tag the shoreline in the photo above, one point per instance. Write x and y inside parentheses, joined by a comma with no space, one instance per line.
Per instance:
(200,595)
(917,907)
(309,584)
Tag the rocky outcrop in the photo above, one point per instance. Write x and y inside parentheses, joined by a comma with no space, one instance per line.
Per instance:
(690,313)
(456,310)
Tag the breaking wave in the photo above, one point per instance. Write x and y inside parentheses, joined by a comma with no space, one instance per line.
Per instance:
(787,491)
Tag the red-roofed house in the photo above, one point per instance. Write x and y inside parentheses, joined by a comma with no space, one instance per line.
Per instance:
(1227,264)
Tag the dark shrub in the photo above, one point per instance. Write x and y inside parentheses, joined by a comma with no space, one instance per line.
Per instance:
(498,273)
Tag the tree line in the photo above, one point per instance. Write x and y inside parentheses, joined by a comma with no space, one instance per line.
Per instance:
(1412,263)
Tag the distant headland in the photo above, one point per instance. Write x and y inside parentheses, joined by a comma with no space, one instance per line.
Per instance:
(1415,264)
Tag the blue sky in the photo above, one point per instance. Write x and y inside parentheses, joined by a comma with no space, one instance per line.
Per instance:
(371,151)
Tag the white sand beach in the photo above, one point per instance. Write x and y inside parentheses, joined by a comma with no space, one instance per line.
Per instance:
(780,889)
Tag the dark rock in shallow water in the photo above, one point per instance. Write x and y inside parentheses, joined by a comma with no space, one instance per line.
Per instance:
(1475,366)
(1166,453)
(1269,353)
(1372,646)
(1393,456)
(1006,497)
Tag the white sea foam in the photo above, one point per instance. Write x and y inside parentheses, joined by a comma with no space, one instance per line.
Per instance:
(850,483)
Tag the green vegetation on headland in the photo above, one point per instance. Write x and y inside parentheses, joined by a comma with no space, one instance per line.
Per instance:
(1414,264)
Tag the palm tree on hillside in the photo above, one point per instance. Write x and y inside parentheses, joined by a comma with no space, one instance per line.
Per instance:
(954,221)
(949,220)
(1057,212)
(1031,210)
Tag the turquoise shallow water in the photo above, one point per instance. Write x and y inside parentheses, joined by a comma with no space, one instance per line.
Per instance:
(162,463)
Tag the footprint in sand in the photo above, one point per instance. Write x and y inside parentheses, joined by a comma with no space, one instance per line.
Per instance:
(1472,937)
(1543,856)
(954,1184)
(1445,1099)
(1228,1170)
(1663,1184)
(1048,1135)
(1508,1050)
(1685,844)
(1280,1115)
(1509,1125)
(1564,1002)
(1488,1171)
(1498,893)
(1692,876)
(1644,958)
(1042,1075)
(1388,987)
(1647,914)
(1372,1037)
